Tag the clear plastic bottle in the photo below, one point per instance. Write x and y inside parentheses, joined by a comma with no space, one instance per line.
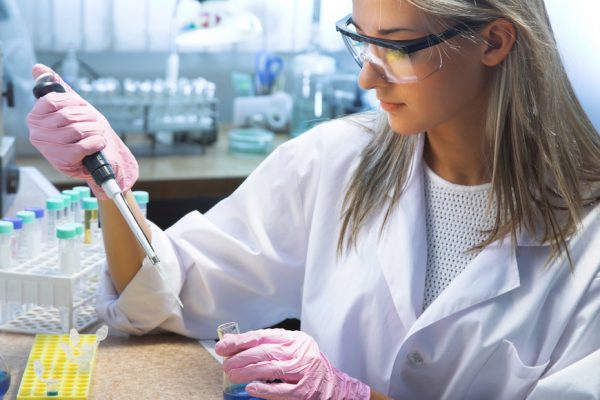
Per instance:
(54,211)
(75,206)
(142,198)
(68,249)
(39,225)
(6,232)
(17,226)
(91,234)
(28,248)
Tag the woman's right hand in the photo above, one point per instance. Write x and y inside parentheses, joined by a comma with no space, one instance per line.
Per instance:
(65,128)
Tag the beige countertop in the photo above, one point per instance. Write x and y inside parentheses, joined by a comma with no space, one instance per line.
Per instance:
(164,366)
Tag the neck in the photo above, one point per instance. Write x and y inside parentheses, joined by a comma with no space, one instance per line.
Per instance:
(456,154)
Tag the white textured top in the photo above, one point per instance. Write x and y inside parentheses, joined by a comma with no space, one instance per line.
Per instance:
(457,217)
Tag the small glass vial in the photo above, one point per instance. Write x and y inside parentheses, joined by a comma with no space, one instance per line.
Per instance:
(39,224)
(91,233)
(68,249)
(27,246)
(142,198)
(54,209)
(67,216)
(78,236)
(17,226)
(75,207)
(232,391)
(6,232)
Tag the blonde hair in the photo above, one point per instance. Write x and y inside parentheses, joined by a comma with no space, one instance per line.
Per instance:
(545,165)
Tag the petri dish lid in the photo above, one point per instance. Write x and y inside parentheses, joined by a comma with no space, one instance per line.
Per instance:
(251,140)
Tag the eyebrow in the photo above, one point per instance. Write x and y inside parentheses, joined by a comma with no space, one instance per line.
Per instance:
(385,32)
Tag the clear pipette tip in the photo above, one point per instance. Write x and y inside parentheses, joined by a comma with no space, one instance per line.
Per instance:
(164,277)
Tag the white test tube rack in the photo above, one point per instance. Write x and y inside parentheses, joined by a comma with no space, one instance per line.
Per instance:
(37,297)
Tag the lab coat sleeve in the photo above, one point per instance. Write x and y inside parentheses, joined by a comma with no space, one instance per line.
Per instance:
(575,373)
(242,261)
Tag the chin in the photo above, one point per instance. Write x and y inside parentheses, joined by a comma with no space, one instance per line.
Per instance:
(402,127)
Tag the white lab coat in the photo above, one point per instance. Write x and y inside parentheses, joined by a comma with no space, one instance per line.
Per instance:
(505,328)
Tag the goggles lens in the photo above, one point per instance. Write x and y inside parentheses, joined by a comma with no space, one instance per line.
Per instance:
(394,62)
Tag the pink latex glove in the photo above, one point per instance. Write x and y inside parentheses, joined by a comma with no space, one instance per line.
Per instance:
(65,128)
(290,356)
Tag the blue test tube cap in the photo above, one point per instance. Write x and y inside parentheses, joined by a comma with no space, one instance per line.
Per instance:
(39,211)
(17,222)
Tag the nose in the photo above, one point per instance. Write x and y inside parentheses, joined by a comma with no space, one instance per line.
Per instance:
(371,77)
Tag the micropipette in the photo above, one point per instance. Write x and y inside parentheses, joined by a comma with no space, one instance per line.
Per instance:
(103,174)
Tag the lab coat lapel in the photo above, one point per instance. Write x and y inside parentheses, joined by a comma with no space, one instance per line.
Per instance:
(492,273)
(402,247)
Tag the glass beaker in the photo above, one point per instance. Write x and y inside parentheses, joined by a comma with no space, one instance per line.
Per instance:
(232,391)
(4,378)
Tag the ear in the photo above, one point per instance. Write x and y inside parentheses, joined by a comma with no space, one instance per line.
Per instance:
(500,36)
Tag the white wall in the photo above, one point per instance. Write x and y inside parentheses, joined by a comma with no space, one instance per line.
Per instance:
(577,30)
(143,25)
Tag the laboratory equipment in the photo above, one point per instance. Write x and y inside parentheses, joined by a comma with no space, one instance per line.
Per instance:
(311,71)
(250,140)
(4,377)
(232,391)
(272,112)
(27,245)
(103,175)
(142,198)
(48,363)
(6,231)
(67,216)
(140,111)
(9,172)
(16,236)
(267,69)
(91,232)
(67,248)
(75,208)
(54,208)
(39,225)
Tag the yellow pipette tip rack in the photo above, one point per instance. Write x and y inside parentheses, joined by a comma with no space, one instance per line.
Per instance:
(73,383)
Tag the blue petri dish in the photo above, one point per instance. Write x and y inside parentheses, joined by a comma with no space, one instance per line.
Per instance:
(4,383)
(237,392)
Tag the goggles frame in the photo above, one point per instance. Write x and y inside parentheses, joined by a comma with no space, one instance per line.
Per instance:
(404,46)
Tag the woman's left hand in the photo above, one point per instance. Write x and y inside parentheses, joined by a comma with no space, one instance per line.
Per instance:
(291,357)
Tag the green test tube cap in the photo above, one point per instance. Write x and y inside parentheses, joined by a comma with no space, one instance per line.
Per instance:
(27,216)
(66,231)
(73,194)
(84,191)
(55,203)
(90,203)
(141,197)
(66,200)
(6,227)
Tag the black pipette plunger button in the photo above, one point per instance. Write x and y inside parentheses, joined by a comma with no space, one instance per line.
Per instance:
(43,88)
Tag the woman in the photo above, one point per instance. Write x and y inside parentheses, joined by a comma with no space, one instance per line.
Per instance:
(463,266)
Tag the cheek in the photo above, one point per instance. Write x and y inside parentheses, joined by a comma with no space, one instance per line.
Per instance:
(451,91)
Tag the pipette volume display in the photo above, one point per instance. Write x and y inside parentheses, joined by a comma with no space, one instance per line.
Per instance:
(102,173)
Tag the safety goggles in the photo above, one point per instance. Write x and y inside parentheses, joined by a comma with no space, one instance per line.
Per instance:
(399,61)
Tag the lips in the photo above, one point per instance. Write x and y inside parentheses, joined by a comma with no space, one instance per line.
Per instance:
(389,106)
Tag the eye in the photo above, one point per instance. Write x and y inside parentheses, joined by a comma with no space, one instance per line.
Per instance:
(395,55)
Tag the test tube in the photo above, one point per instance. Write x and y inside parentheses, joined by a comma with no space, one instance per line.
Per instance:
(142,198)
(84,192)
(54,207)
(6,232)
(66,217)
(17,226)
(78,236)
(90,220)
(67,248)
(39,224)
(27,246)
(75,208)
(231,391)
